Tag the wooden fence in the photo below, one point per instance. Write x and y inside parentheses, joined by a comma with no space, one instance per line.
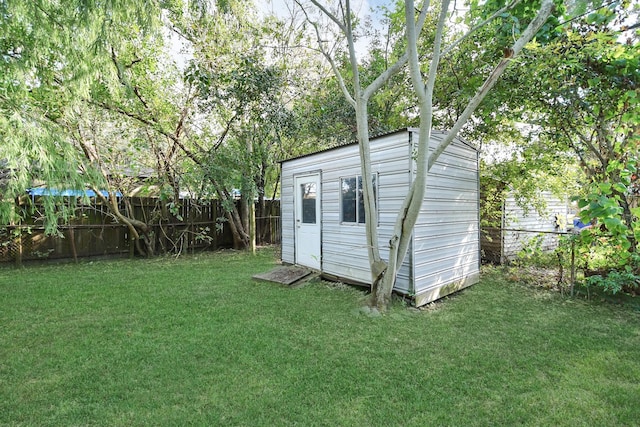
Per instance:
(195,226)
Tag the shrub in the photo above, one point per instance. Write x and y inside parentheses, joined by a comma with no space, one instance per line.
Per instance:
(615,281)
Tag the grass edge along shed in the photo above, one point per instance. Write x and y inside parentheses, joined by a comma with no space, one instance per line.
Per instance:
(323,223)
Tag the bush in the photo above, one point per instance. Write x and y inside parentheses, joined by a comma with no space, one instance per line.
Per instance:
(533,254)
(606,264)
(615,281)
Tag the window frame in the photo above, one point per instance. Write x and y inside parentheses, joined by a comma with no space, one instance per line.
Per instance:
(358,198)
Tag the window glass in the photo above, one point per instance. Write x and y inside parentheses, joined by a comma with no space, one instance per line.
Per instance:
(361,215)
(308,193)
(348,186)
(361,211)
(352,199)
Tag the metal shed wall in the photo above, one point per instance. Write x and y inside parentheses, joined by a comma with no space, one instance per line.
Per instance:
(446,240)
(531,221)
(344,251)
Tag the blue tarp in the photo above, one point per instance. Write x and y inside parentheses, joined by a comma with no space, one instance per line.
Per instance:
(42,191)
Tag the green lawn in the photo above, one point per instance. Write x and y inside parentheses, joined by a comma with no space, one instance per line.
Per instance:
(195,341)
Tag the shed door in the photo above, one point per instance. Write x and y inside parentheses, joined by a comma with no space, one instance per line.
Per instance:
(307,201)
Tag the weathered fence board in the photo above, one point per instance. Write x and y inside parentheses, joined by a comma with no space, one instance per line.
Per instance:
(93,232)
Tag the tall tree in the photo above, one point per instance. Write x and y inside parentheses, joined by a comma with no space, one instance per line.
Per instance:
(90,93)
(245,80)
(383,272)
(52,56)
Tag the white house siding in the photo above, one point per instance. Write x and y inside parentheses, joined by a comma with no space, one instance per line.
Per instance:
(539,228)
(447,230)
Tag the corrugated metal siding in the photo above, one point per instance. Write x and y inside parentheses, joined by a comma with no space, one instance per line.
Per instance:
(344,251)
(447,232)
(287,210)
(518,218)
(446,239)
(344,245)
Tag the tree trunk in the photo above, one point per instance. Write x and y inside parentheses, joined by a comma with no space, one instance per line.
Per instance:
(408,214)
(383,275)
(266,215)
(238,230)
(138,230)
(628,219)
(239,238)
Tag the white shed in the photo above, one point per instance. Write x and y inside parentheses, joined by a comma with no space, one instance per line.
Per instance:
(323,218)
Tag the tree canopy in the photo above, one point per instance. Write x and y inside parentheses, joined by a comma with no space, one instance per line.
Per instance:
(92,95)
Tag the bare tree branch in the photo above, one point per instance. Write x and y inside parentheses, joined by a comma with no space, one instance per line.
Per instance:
(329,15)
(328,57)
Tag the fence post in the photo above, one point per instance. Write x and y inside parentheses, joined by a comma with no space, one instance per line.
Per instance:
(19,247)
(252,226)
(213,211)
(573,264)
(72,237)
(17,232)
(132,248)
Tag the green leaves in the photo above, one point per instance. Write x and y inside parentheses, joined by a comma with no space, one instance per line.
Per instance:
(604,206)
(581,89)
(619,187)
(605,187)
(52,56)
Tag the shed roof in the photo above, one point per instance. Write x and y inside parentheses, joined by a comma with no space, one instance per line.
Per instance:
(355,142)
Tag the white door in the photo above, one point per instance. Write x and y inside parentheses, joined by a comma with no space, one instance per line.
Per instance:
(307,200)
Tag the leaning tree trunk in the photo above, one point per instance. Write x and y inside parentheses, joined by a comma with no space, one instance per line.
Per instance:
(628,219)
(234,218)
(407,217)
(240,237)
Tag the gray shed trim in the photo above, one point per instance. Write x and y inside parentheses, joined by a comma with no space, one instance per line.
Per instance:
(444,255)
(410,130)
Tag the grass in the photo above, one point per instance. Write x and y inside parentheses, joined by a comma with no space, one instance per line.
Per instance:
(195,341)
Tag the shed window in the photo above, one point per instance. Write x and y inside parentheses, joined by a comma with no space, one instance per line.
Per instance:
(308,192)
(352,198)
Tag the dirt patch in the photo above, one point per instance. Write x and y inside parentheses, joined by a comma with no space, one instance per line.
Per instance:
(547,278)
